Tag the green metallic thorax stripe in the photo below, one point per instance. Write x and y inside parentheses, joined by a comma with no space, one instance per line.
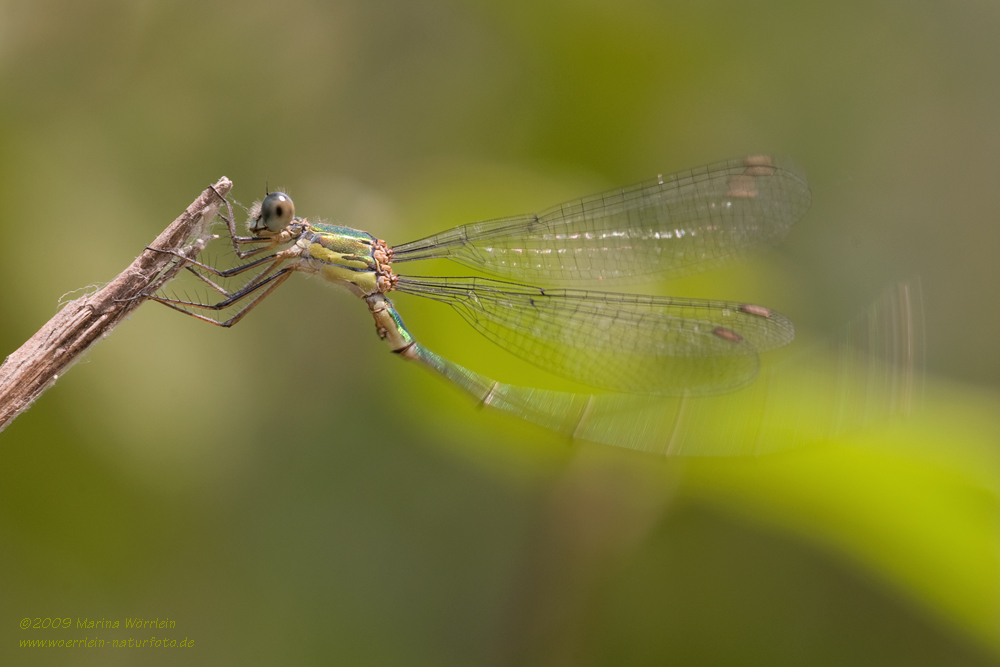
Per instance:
(341,255)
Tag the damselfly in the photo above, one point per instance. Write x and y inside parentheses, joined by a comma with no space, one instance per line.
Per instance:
(619,343)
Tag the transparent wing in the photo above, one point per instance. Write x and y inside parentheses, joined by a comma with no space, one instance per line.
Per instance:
(676,224)
(870,372)
(619,342)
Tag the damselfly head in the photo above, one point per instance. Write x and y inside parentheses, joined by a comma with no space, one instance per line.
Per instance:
(273,214)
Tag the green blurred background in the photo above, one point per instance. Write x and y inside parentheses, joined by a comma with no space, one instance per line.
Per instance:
(289,493)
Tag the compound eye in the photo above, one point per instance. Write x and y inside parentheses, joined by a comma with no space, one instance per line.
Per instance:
(277,211)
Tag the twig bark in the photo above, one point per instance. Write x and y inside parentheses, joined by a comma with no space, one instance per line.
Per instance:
(36,365)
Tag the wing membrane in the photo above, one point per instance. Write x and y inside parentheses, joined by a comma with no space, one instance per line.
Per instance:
(619,342)
(676,224)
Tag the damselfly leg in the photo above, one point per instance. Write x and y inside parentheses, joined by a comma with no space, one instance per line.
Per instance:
(268,284)
(275,259)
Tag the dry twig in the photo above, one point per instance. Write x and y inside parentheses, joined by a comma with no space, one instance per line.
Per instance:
(36,365)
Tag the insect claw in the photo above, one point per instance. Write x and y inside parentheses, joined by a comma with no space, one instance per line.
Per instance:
(212,187)
(131,298)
